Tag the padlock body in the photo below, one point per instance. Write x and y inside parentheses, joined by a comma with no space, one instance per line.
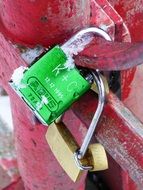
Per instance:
(49,87)
(63,145)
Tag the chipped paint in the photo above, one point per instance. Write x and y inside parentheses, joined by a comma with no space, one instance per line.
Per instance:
(127,116)
(30,54)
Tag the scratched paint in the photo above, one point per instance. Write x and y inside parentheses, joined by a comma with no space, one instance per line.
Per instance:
(25,127)
(132,13)
(36,161)
(36,15)
(132,80)
(118,130)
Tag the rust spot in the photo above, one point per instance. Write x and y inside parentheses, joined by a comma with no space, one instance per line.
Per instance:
(34,142)
(3,74)
(44,19)
(31,129)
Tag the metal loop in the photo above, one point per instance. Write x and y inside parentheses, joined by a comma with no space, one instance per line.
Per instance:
(79,164)
(79,154)
(73,43)
(80,34)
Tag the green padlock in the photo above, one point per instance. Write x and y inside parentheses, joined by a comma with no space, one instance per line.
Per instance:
(49,87)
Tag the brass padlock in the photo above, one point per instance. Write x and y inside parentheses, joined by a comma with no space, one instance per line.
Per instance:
(66,150)
(64,145)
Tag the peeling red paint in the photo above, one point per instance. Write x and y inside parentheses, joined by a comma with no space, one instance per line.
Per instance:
(118,126)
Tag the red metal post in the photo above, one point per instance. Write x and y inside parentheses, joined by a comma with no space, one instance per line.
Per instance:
(43,22)
(120,131)
(33,23)
(132,79)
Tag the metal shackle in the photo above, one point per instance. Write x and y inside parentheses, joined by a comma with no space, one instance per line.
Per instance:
(81,33)
(79,154)
(70,45)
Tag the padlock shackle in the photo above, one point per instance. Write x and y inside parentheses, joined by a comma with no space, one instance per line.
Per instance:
(101,101)
(80,34)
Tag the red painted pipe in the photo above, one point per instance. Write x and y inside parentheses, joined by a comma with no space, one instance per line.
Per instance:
(33,22)
(44,22)
(38,167)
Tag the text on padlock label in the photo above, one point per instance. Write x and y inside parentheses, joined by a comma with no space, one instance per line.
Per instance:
(49,87)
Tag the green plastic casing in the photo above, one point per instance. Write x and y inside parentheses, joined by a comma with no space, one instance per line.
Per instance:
(50,87)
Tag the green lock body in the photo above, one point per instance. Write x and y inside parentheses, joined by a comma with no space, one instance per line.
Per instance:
(49,87)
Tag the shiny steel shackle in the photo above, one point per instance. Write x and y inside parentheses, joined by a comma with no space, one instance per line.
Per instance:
(79,154)
(80,34)
(69,46)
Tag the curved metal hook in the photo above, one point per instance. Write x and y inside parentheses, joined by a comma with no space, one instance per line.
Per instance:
(79,154)
(80,34)
(79,164)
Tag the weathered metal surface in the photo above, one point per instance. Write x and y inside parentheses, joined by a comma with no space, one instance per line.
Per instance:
(132,80)
(43,22)
(35,158)
(120,137)
(103,21)
(119,131)
(25,121)
(132,13)
(109,56)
